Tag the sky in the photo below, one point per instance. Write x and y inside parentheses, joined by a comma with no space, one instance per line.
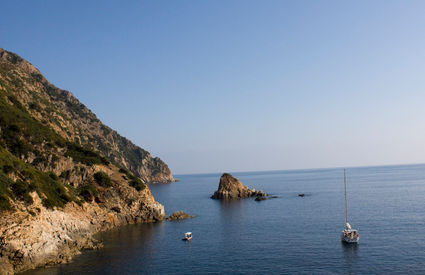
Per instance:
(223,86)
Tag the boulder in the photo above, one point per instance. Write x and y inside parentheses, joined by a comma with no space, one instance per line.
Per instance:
(231,188)
(261,198)
(265,197)
(178,215)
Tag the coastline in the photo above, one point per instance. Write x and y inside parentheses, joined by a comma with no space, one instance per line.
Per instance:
(55,236)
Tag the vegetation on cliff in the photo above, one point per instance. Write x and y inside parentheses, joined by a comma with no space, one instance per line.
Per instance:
(62,172)
(41,129)
(26,89)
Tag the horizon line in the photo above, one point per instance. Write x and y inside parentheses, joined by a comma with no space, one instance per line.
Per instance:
(302,169)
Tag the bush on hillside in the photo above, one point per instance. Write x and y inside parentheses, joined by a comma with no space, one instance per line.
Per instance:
(102,179)
(83,155)
(88,192)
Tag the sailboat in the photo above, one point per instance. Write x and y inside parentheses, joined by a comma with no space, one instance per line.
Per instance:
(348,235)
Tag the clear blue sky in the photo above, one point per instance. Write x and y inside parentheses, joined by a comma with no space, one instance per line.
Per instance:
(213,86)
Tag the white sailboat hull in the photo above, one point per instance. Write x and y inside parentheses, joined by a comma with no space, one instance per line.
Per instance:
(349,239)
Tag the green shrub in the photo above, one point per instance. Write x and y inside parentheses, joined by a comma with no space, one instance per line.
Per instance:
(102,179)
(21,191)
(65,175)
(40,159)
(53,176)
(88,192)
(5,183)
(8,168)
(4,203)
(134,181)
(28,174)
(137,184)
(48,203)
(15,102)
(37,76)
(35,106)
(83,155)
(55,192)
(20,147)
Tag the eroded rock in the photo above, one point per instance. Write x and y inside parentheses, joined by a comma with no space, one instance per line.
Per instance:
(231,188)
(179,215)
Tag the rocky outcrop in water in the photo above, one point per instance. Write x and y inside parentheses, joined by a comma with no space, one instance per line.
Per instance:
(261,198)
(231,188)
(265,197)
(179,215)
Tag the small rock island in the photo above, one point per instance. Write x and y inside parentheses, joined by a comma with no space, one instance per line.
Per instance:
(179,215)
(231,188)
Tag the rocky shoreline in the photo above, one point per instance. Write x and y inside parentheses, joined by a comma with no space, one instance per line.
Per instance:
(49,237)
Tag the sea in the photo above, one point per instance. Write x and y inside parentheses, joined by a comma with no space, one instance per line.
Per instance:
(288,234)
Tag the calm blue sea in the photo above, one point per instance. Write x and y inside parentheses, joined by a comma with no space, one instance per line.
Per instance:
(285,235)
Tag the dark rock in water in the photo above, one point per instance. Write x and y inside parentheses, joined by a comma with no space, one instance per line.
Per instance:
(261,198)
(301,195)
(266,197)
(179,215)
(231,188)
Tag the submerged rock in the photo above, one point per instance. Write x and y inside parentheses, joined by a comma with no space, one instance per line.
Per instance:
(261,198)
(266,197)
(179,215)
(231,188)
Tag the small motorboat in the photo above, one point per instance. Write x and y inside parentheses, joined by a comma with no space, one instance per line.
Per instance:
(187,236)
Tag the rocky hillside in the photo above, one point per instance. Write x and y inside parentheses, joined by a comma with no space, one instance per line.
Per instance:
(63,174)
(25,87)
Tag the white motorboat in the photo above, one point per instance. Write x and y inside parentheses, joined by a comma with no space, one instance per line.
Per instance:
(187,236)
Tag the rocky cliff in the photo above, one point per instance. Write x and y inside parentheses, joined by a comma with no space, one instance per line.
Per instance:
(33,235)
(63,174)
(231,188)
(68,117)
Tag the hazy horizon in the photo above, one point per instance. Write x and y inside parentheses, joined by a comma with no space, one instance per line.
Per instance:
(304,169)
(239,85)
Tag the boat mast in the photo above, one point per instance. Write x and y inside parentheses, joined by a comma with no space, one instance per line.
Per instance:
(345,200)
